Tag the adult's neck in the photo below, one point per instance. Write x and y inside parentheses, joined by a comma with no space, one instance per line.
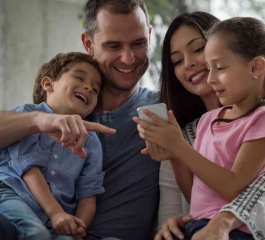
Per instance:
(111,98)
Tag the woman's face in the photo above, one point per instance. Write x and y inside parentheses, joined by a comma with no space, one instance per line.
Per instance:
(187,55)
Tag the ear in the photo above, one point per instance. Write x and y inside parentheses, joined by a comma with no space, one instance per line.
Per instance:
(88,43)
(150,32)
(258,66)
(47,84)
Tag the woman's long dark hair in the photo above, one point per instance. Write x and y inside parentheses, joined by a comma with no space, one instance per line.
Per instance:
(185,105)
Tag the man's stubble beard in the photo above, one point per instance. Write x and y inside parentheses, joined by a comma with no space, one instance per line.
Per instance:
(112,84)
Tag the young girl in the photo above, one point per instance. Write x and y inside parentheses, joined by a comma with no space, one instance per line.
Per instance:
(230,140)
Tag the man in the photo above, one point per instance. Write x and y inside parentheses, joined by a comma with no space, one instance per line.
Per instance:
(118,35)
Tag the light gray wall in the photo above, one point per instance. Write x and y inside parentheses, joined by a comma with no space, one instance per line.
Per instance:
(31,33)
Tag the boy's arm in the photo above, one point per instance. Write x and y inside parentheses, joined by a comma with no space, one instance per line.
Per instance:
(41,192)
(86,209)
(62,222)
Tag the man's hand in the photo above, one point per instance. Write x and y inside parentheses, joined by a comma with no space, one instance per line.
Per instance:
(172,226)
(69,130)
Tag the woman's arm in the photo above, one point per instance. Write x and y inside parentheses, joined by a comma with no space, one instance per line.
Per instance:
(218,227)
(172,202)
(249,207)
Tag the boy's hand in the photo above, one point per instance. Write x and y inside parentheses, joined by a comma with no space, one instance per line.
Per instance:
(172,226)
(66,224)
(81,233)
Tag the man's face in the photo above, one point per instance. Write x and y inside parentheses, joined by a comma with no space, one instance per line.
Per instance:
(121,46)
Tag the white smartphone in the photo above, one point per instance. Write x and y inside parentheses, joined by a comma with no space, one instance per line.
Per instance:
(159,109)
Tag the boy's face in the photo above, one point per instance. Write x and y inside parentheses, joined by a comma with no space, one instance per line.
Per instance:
(76,91)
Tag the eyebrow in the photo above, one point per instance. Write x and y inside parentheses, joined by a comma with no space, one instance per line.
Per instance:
(217,59)
(189,43)
(119,42)
(81,71)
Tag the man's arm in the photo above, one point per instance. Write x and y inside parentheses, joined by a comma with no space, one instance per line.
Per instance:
(17,125)
(68,130)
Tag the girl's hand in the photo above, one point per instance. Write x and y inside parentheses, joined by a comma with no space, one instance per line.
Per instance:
(167,135)
(156,152)
(172,226)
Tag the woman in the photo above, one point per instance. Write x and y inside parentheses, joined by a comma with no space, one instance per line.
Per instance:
(187,94)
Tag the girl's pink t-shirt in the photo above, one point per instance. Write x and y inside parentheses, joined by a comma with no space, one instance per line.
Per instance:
(221,148)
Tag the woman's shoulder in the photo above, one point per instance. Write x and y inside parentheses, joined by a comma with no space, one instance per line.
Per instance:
(189,131)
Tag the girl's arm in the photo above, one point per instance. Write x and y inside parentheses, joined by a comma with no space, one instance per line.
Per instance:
(86,209)
(228,183)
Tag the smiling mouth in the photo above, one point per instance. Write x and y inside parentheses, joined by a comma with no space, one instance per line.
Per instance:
(197,76)
(81,97)
(125,70)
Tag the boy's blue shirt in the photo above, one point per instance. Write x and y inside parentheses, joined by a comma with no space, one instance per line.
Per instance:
(69,177)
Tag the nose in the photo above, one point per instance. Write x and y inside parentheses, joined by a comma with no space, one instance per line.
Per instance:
(190,62)
(88,87)
(211,78)
(127,56)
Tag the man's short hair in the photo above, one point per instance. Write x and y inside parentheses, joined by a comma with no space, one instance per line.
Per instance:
(115,6)
(53,69)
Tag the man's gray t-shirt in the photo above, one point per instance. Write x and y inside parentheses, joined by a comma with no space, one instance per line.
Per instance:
(128,208)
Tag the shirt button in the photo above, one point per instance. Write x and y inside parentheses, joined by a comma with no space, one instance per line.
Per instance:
(107,135)
(52,172)
(109,145)
(53,186)
(55,156)
(104,117)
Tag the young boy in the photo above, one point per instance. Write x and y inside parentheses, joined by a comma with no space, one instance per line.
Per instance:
(46,190)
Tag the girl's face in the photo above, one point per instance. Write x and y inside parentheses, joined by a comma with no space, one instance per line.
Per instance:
(230,75)
(187,56)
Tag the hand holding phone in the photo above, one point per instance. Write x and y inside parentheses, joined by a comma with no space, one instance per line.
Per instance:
(159,109)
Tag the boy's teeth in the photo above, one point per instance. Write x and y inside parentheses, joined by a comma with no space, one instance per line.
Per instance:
(81,96)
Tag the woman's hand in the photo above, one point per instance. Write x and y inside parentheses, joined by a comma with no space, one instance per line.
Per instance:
(167,135)
(172,226)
